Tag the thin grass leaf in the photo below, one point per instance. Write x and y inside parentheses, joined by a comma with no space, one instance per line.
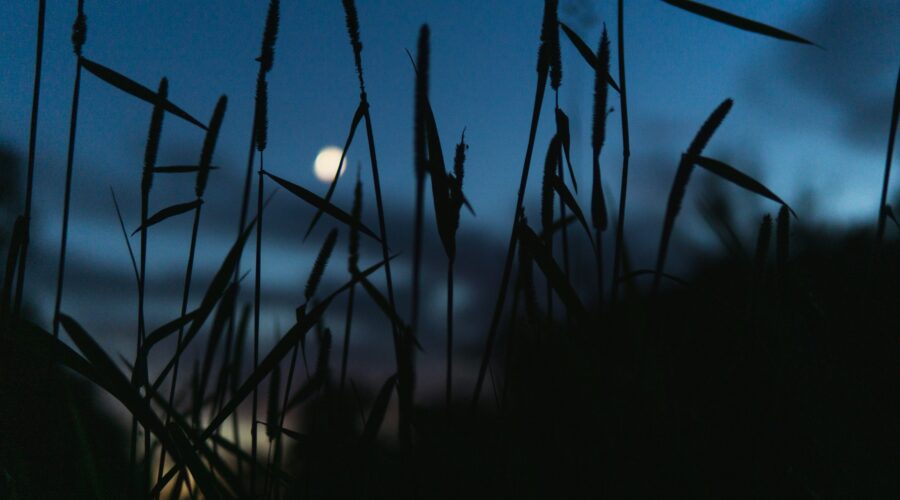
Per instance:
(180,169)
(562,130)
(550,163)
(315,276)
(555,276)
(280,350)
(739,178)
(12,258)
(217,288)
(892,136)
(137,90)
(586,53)
(153,136)
(388,311)
(272,413)
(205,480)
(376,415)
(357,117)
(226,306)
(169,212)
(114,381)
(167,329)
(735,21)
(209,145)
(889,213)
(317,202)
(566,196)
(440,185)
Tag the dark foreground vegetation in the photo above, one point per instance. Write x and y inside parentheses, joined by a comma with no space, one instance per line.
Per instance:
(768,372)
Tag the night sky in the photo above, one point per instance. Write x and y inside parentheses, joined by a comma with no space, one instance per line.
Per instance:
(809,122)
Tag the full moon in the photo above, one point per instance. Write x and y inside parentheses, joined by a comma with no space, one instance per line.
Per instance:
(326,163)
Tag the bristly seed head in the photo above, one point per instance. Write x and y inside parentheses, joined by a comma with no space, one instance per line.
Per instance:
(353,30)
(79,29)
(209,145)
(262,113)
(708,129)
(315,276)
(156,122)
(601,91)
(356,215)
(267,55)
(549,57)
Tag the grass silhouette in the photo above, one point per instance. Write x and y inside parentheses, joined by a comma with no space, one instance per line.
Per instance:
(764,373)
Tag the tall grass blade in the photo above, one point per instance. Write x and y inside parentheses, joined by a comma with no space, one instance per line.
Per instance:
(568,198)
(167,213)
(735,21)
(317,202)
(376,415)
(892,136)
(741,179)
(587,53)
(555,276)
(357,117)
(130,86)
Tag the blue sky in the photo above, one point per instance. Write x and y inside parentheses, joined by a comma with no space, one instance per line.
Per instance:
(811,123)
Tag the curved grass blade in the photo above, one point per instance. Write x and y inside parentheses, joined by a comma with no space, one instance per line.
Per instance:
(217,288)
(183,448)
(736,21)
(739,178)
(562,130)
(280,350)
(169,212)
(314,200)
(114,381)
(167,329)
(586,52)
(555,276)
(376,416)
(388,311)
(134,88)
(357,117)
(560,187)
(679,185)
(892,136)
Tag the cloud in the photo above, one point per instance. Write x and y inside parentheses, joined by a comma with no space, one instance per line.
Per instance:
(856,73)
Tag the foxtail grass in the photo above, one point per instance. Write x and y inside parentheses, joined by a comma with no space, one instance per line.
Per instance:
(550,7)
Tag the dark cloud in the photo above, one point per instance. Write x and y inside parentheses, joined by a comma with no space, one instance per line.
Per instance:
(856,72)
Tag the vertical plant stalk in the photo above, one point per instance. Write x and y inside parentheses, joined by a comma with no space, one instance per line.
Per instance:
(261,131)
(139,377)
(457,200)
(404,368)
(626,155)
(353,268)
(32,144)
(420,168)
(599,216)
(882,208)
(204,166)
(79,35)
(542,70)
